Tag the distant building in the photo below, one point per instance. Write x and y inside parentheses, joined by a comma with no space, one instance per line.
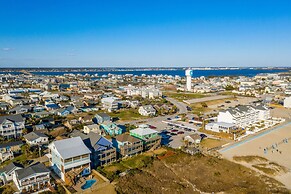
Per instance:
(147,110)
(189,73)
(110,103)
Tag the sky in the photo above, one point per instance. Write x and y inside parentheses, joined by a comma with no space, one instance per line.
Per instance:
(145,33)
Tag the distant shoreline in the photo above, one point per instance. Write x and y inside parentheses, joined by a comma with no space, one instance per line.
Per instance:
(92,69)
(97,72)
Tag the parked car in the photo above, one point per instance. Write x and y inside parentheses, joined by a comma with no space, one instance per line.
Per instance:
(180,132)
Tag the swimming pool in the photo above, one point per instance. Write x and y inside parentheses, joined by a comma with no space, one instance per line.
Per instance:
(88,184)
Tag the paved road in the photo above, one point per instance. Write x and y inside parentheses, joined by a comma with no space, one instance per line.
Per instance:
(182,107)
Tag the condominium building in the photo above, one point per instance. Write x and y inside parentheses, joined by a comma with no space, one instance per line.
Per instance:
(244,115)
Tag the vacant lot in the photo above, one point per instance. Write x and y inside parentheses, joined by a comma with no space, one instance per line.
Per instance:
(183,173)
(183,96)
(209,143)
(206,99)
(127,115)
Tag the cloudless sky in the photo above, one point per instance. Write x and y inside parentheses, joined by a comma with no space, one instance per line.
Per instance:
(135,33)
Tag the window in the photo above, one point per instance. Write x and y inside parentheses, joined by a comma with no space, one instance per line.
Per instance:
(77,158)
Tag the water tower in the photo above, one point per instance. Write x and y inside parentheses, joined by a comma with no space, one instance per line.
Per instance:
(189,74)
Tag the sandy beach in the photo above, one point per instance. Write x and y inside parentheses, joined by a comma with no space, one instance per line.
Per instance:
(255,146)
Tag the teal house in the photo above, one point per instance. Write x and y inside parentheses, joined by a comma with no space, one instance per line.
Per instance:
(111,128)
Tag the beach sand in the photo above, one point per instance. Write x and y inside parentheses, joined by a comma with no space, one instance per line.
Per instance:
(256,147)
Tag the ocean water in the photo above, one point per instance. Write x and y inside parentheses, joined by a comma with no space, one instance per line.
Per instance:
(197,73)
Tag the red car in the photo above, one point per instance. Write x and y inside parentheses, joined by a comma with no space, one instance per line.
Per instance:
(180,132)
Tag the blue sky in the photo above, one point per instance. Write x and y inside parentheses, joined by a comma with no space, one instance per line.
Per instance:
(55,33)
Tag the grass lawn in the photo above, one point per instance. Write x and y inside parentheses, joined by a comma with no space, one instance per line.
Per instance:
(183,96)
(212,143)
(127,115)
(20,159)
(135,162)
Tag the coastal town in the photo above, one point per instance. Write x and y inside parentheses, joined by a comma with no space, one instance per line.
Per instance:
(82,133)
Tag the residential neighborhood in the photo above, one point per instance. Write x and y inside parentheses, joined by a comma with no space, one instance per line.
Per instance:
(57,132)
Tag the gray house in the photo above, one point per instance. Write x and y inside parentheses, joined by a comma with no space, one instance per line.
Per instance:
(101,118)
(11,126)
(6,173)
(33,178)
(36,138)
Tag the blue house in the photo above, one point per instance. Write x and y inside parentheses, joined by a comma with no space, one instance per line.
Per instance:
(111,128)
(103,152)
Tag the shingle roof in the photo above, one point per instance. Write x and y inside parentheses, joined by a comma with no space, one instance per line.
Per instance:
(71,147)
(7,169)
(9,144)
(34,135)
(36,168)
(14,118)
(126,137)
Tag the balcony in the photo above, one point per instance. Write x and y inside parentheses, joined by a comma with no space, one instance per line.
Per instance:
(76,163)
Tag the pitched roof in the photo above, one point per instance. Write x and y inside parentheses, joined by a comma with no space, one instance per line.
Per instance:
(34,135)
(126,137)
(31,170)
(97,142)
(10,167)
(93,140)
(71,147)
(12,143)
(13,118)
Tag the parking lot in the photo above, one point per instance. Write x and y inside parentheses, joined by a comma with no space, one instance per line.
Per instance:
(174,136)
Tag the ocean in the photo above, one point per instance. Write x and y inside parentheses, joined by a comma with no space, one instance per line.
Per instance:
(196,73)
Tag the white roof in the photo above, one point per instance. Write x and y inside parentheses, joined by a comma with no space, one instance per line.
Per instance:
(224,124)
(71,147)
(143,131)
